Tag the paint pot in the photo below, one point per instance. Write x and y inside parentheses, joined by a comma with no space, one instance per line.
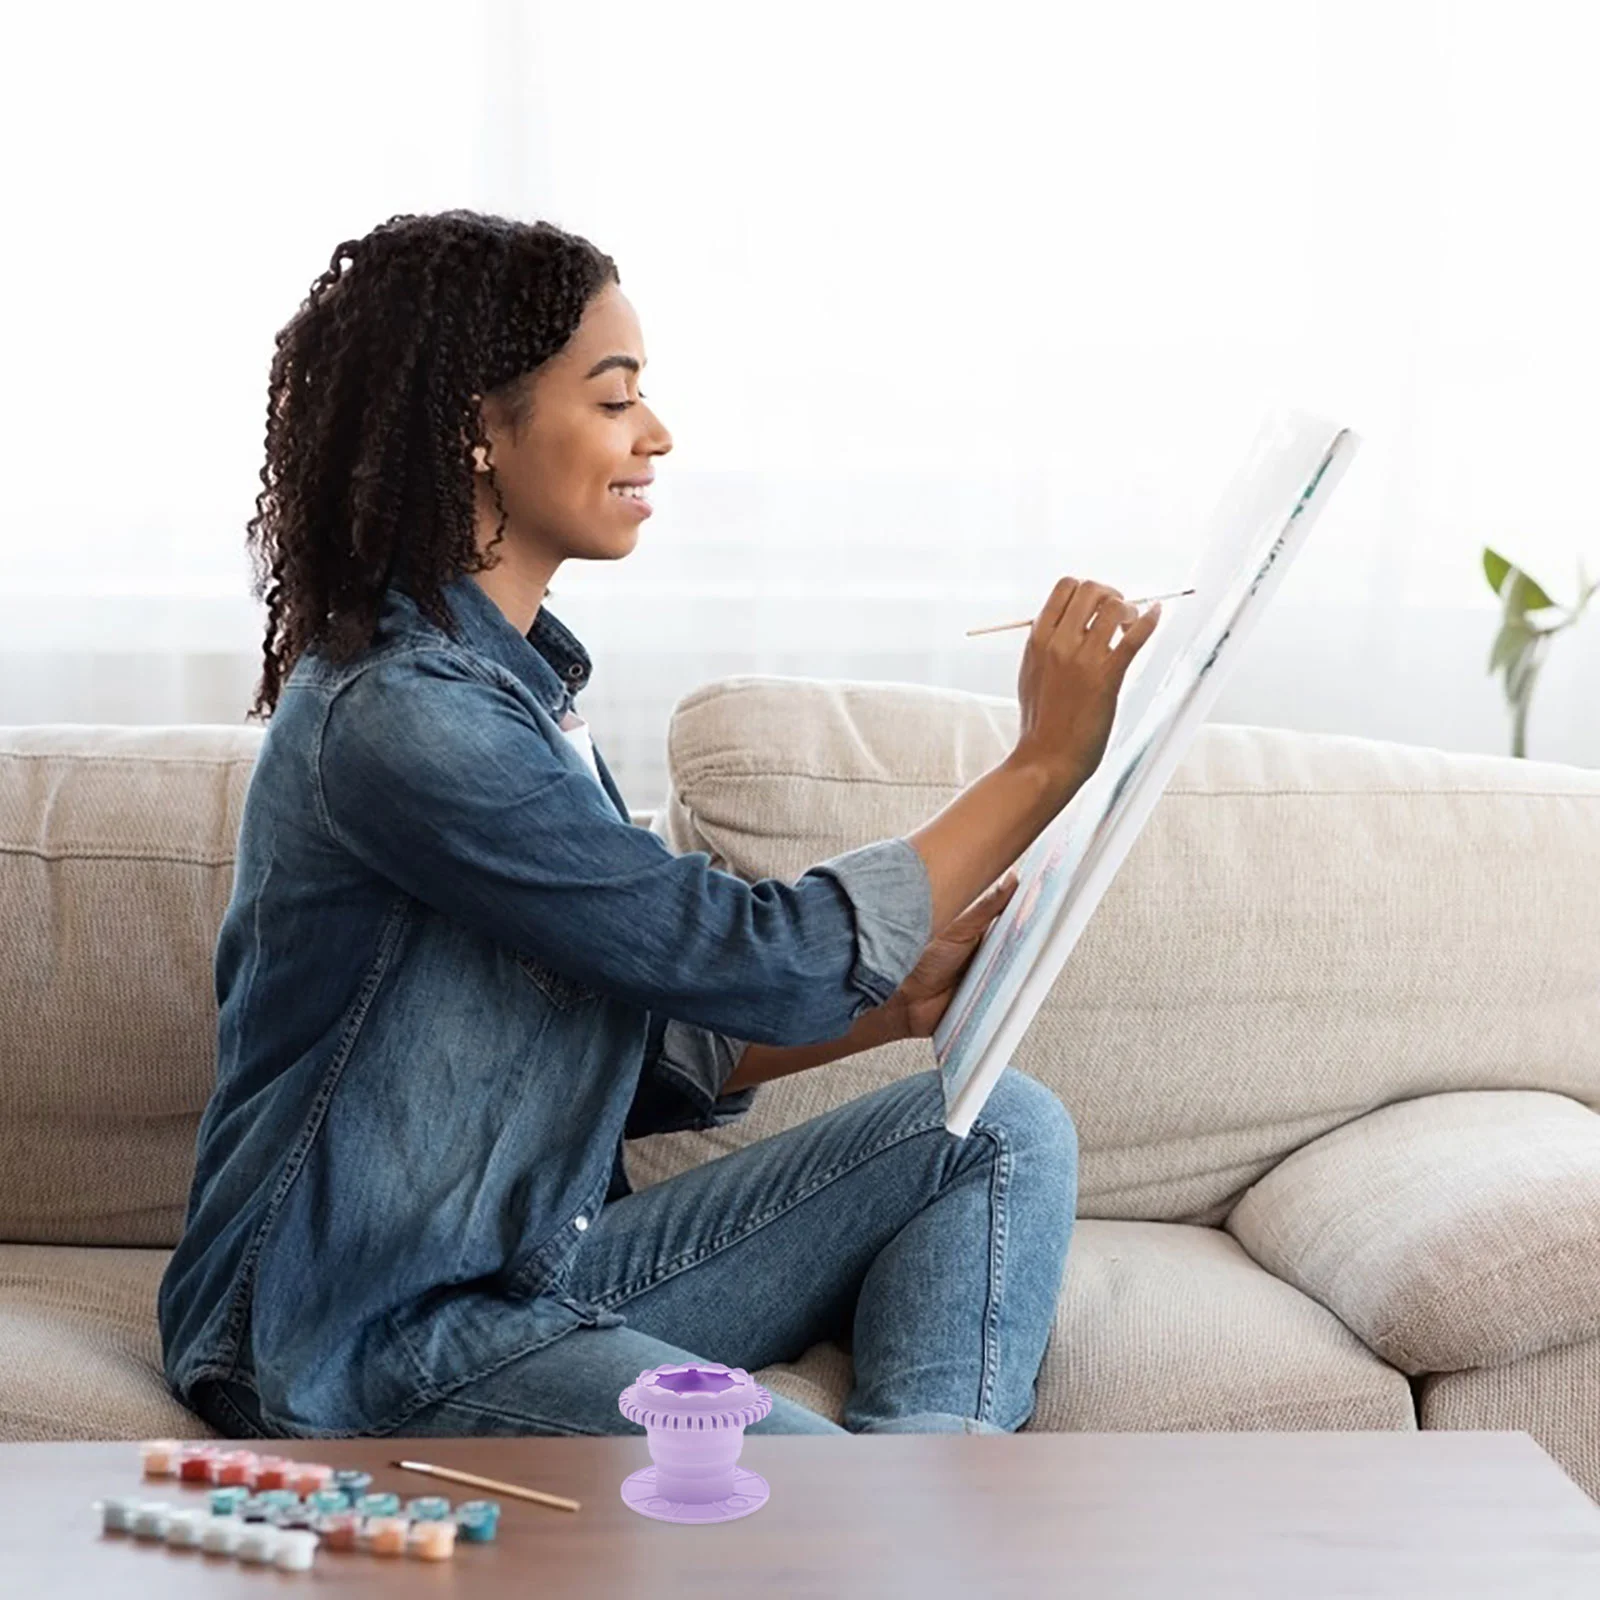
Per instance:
(386,1536)
(428,1508)
(116,1512)
(340,1530)
(478,1519)
(432,1540)
(185,1527)
(324,1501)
(234,1468)
(194,1462)
(149,1520)
(256,1509)
(296,1547)
(353,1481)
(272,1472)
(226,1502)
(306,1477)
(159,1457)
(221,1536)
(379,1505)
(258,1542)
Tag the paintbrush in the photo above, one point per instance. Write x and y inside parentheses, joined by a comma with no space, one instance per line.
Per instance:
(560,1502)
(1027,622)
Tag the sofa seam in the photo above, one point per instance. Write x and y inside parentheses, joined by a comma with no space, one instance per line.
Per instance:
(77,757)
(90,854)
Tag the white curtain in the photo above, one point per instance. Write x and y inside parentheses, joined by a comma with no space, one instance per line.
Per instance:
(939,305)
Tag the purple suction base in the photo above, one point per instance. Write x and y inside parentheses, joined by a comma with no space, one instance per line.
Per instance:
(750,1494)
(695,1414)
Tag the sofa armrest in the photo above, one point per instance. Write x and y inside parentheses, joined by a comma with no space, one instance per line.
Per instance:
(1451,1231)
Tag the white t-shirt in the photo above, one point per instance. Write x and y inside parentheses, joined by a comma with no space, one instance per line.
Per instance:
(577,732)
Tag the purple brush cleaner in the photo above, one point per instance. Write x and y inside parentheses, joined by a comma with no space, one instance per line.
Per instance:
(695,1414)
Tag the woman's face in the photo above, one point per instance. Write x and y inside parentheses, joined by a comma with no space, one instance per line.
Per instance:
(586,430)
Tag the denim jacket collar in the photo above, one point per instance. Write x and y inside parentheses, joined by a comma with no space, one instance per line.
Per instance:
(549,658)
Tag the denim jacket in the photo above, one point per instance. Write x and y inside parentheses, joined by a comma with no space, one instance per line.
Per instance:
(452,977)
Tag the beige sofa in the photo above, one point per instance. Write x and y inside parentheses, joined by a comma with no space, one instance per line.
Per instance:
(1331,1041)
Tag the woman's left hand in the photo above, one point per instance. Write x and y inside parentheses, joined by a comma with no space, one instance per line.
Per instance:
(926,994)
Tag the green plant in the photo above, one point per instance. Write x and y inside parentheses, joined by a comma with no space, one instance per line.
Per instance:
(1521,644)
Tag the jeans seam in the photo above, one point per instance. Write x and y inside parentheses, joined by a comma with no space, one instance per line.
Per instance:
(856,1158)
(999,1181)
(521,1418)
(219,1400)
(438,1393)
(424,1379)
(718,1245)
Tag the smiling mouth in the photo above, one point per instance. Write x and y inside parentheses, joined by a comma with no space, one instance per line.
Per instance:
(632,497)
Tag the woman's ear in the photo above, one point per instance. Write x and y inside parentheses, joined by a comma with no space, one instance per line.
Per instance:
(491,417)
(477,450)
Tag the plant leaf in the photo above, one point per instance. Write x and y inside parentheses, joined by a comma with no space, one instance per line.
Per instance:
(1495,568)
(1525,594)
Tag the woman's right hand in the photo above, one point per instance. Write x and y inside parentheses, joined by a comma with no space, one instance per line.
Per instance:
(1071,676)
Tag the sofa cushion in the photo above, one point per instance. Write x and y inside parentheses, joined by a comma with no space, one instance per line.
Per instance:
(1458,1230)
(1167,1328)
(1308,927)
(80,1354)
(1160,1327)
(116,862)
(1170,1328)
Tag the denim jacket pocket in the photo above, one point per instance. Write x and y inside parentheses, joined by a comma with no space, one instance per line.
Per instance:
(565,993)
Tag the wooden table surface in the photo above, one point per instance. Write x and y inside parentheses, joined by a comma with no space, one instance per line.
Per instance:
(924,1515)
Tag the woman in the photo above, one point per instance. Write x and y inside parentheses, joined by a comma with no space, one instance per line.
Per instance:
(452,977)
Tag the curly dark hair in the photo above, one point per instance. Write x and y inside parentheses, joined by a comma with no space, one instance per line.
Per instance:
(372,419)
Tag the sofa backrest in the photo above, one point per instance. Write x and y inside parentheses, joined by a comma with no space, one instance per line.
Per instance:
(116,862)
(1308,927)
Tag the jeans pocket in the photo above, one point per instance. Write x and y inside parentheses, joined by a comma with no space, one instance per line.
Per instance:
(565,993)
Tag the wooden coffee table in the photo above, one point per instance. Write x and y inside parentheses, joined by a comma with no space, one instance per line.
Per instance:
(927,1515)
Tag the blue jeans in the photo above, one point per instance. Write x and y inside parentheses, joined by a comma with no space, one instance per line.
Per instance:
(936,1261)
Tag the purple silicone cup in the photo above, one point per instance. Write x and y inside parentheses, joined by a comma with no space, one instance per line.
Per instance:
(694,1414)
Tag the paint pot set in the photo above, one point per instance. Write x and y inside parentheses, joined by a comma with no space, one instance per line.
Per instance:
(258,1513)
(205,1463)
(260,1543)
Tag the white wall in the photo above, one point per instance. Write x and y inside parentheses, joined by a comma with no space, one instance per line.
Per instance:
(936,311)
(1409,674)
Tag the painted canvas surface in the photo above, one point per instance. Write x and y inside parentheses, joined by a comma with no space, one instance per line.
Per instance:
(1254,533)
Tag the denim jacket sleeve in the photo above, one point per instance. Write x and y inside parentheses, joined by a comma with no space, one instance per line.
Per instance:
(464,794)
(681,1081)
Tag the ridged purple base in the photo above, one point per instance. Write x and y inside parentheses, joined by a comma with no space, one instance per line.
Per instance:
(750,1494)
